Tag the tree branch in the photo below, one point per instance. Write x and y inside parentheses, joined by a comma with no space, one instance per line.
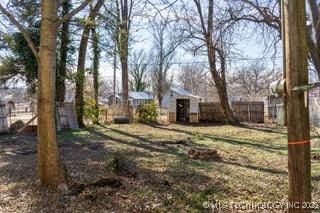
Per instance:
(314,54)
(198,5)
(315,14)
(74,12)
(24,32)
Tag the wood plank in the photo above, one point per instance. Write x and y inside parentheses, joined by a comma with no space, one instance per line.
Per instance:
(27,124)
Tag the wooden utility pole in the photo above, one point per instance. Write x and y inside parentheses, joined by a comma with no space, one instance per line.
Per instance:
(283,38)
(298,126)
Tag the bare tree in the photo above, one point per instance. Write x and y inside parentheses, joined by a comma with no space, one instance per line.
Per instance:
(139,71)
(123,25)
(192,77)
(105,88)
(253,80)
(207,29)
(166,41)
(263,13)
(267,15)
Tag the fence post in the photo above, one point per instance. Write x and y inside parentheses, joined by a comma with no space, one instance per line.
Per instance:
(249,114)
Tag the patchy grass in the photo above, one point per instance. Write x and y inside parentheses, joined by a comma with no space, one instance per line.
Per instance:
(253,168)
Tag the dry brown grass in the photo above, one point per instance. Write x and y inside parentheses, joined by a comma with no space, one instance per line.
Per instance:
(253,169)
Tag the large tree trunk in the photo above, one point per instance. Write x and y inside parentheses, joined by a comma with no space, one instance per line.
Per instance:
(123,52)
(160,98)
(223,97)
(220,82)
(50,170)
(95,72)
(125,81)
(62,65)
(314,45)
(314,52)
(215,46)
(81,75)
(81,63)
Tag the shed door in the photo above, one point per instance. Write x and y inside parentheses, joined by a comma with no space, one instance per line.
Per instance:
(183,110)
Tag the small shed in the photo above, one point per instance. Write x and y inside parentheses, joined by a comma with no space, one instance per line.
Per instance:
(183,106)
(67,116)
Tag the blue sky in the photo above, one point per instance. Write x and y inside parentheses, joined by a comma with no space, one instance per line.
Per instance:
(249,50)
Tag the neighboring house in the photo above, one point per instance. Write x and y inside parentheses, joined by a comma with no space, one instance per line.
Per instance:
(138,98)
(103,101)
(183,106)
(135,99)
(17,95)
(113,101)
(9,104)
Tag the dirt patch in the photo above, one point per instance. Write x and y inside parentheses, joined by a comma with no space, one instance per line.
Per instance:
(204,154)
(111,182)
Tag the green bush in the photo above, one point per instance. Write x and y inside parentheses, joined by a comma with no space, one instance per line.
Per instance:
(147,113)
(118,163)
(90,112)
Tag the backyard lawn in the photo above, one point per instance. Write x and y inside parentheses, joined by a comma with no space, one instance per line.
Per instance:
(149,169)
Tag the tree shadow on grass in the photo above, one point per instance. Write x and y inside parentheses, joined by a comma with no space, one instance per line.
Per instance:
(262,129)
(152,145)
(186,186)
(255,144)
(256,168)
(187,183)
(230,141)
(141,143)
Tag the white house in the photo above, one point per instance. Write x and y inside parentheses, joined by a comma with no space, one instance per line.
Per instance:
(183,106)
(135,98)
(138,98)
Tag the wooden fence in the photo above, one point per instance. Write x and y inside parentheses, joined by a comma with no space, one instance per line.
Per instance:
(115,111)
(270,108)
(247,111)
(211,111)
(3,118)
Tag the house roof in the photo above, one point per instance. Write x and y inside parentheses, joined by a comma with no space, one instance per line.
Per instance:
(7,98)
(117,96)
(183,92)
(140,95)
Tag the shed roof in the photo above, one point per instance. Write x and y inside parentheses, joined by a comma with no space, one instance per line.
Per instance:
(183,92)
(140,95)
